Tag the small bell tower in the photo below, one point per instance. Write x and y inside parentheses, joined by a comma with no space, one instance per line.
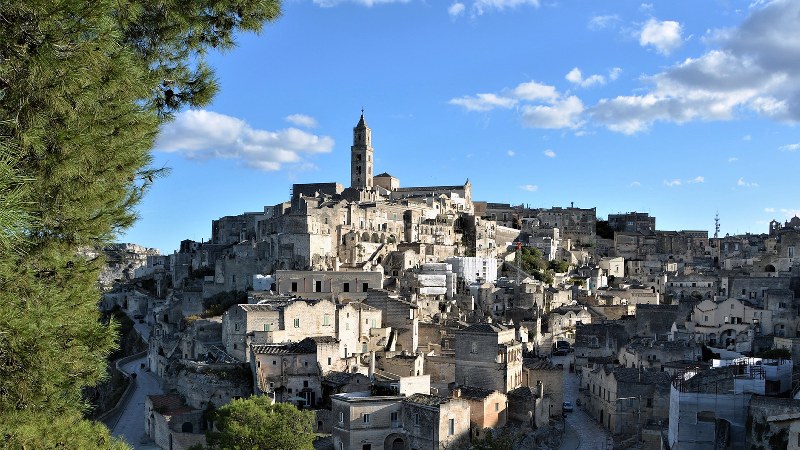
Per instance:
(361,161)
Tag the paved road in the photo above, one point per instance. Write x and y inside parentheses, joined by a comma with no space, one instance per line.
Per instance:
(583,432)
(131,423)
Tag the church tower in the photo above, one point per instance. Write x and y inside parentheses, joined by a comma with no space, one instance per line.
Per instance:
(361,156)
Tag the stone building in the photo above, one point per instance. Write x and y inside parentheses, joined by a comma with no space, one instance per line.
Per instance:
(419,421)
(729,323)
(171,424)
(563,321)
(488,408)
(329,285)
(489,356)
(623,399)
(293,372)
(365,422)
(436,423)
(542,375)
(276,322)
(632,222)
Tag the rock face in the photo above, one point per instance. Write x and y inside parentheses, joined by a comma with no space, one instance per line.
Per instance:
(122,260)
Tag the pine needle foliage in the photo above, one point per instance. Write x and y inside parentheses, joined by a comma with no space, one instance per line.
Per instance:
(84,88)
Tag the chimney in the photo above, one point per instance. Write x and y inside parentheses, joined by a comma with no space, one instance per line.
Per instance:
(540,389)
(371,365)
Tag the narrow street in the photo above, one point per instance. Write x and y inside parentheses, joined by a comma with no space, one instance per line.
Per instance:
(582,432)
(130,425)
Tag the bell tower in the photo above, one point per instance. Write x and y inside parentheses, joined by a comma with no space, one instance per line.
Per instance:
(361,156)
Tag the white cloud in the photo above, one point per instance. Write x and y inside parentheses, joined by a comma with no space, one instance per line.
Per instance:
(549,153)
(769,210)
(511,153)
(483,102)
(456,9)
(614,73)
(540,105)
(732,159)
(529,187)
(564,113)
(789,147)
(678,182)
(368,3)
(747,137)
(755,70)
(604,21)
(635,184)
(302,120)
(576,77)
(742,183)
(664,36)
(481,6)
(533,91)
(205,134)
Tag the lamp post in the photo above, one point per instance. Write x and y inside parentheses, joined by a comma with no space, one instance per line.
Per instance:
(638,414)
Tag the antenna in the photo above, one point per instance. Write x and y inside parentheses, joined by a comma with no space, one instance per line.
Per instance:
(716,226)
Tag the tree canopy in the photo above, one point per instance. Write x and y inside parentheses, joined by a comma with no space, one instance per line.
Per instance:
(84,87)
(256,423)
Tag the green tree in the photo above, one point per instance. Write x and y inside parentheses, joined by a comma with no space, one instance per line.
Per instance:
(84,87)
(558,265)
(256,423)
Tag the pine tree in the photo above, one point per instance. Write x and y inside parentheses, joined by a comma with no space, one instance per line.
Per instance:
(84,87)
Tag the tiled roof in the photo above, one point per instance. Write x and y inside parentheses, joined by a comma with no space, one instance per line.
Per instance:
(484,328)
(259,308)
(539,364)
(169,404)
(475,392)
(522,392)
(426,400)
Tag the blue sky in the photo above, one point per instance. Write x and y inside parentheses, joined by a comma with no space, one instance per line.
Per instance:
(676,108)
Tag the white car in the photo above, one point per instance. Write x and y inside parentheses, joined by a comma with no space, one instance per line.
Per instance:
(567,407)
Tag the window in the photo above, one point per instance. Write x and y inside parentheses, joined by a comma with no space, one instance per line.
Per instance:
(416,419)
(366,418)
(394,416)
(341,417)
(318,286)
(274,362)
(294,286)
(496,407)
(346,287)
(364,287)
(649,402)
(347,326)
(267,327)
(236,327)
(305,383)
(329,361)
(297,323)
(374,323)
(326,320)
(451,427)
(474,348)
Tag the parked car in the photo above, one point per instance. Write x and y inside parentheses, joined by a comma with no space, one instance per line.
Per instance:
(567,407)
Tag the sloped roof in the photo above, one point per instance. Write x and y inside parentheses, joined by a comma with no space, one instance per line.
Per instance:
(426,400)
